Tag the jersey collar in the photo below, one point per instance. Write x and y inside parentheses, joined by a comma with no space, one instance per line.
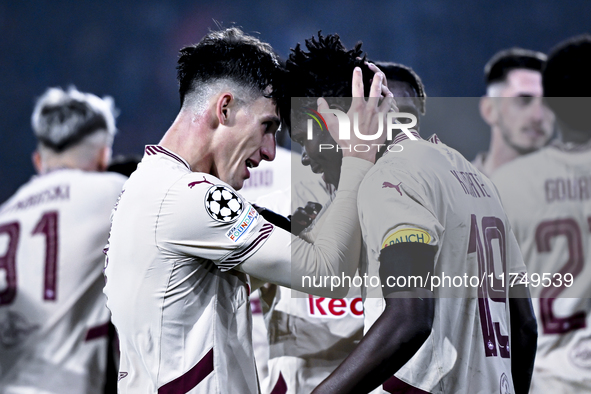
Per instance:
(154,150)
(402,136)
(571,146)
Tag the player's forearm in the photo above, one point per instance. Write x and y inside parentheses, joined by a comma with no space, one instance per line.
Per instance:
(336,245)
(394,338)
(293,262)
(524,334)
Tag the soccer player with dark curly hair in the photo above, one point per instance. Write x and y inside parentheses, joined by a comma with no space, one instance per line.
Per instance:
(426,212)
(310,336)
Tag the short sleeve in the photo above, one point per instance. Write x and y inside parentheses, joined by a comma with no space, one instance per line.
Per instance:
(394,208)
(203,217)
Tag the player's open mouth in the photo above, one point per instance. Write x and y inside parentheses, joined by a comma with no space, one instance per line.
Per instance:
(251,163)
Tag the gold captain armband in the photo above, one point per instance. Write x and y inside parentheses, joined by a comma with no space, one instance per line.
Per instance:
(407,235)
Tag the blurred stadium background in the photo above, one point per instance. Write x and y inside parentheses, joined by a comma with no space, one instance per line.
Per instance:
(128,49)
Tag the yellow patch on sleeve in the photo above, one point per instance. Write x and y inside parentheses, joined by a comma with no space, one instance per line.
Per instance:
(407,235)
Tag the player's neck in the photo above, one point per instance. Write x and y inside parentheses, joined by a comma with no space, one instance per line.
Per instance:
(68,164)
(188,138)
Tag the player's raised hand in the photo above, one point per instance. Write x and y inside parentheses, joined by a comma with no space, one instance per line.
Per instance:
(303,217)
(367,115)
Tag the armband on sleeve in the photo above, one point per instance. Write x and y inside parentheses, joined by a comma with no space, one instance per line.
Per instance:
(407,259)
(274,218)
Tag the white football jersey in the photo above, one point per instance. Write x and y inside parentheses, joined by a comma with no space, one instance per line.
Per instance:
(309,336)
(547,196)
(181,311)
(429,193)
(53,319)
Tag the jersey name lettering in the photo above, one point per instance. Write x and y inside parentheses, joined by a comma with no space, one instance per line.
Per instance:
(568,189)
(60,192)
(471,184)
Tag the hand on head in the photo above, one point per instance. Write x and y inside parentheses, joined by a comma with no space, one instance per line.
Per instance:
(369,113)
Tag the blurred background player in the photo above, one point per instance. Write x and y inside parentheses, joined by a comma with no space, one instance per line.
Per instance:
(53,319)
(310,336)
(519,122)
(433,345)
(547,196)
(407,88)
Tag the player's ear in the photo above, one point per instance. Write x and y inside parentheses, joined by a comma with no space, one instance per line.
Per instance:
(36,158)
(224,107)
(103,159)
(488,110)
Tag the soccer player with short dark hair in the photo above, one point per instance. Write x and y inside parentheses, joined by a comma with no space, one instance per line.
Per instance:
(513,108)
(547,196)
(183,241)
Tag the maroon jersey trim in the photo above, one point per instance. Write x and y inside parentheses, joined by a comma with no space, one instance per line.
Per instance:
(434,139)
(402,136)
(186,382)
(155,149)
(264,233)
(280,386)
(397,386)
(97,332)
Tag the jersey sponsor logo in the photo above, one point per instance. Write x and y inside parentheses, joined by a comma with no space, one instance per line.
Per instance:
(244,225)
(223,204)
(334,308)
(198,182)
(391,186)
(407,235)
